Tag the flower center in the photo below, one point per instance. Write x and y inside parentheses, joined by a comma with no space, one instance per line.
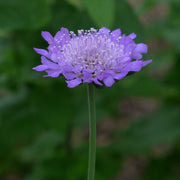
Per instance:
(92,51)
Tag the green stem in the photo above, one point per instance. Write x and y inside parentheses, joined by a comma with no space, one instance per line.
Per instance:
(92,132)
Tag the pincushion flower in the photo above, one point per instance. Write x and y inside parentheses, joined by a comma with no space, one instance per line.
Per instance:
(94,56)
(99,57)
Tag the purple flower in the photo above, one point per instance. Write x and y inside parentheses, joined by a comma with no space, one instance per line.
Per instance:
(94,56)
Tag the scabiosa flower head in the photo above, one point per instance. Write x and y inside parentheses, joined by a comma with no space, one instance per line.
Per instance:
(93,56)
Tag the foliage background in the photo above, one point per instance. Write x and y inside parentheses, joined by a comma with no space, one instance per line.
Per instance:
(44,125)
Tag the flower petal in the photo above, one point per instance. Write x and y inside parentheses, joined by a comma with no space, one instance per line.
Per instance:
(49,64)
(41,68)
(132,35)
(73,83)
(97,82)
(116,33)
(47,36)
(62,36)
(109,81)
(44,60)
(141,48)
(133,66)
(42,52)
(136,55)
(65,31)
(87,76)
(104,30)
(147,62)
(53,73)
(69,75)
(119,76)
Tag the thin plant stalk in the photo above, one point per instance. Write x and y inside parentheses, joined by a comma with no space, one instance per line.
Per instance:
(92,132)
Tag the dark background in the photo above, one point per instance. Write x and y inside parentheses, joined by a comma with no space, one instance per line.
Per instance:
(44,124)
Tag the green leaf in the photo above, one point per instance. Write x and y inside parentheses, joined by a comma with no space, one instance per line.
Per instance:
(139,84)
(163,167)
(66,15)
(4,45)
(126,19)
(18,14)
(171,33)
(12,99)
(108,163)
(172,36)
(101,11)
(43,148)
(143,135)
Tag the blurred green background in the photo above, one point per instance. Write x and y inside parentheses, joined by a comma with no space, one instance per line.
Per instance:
(44,124)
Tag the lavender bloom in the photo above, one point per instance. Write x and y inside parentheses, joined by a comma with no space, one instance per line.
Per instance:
(94,56)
